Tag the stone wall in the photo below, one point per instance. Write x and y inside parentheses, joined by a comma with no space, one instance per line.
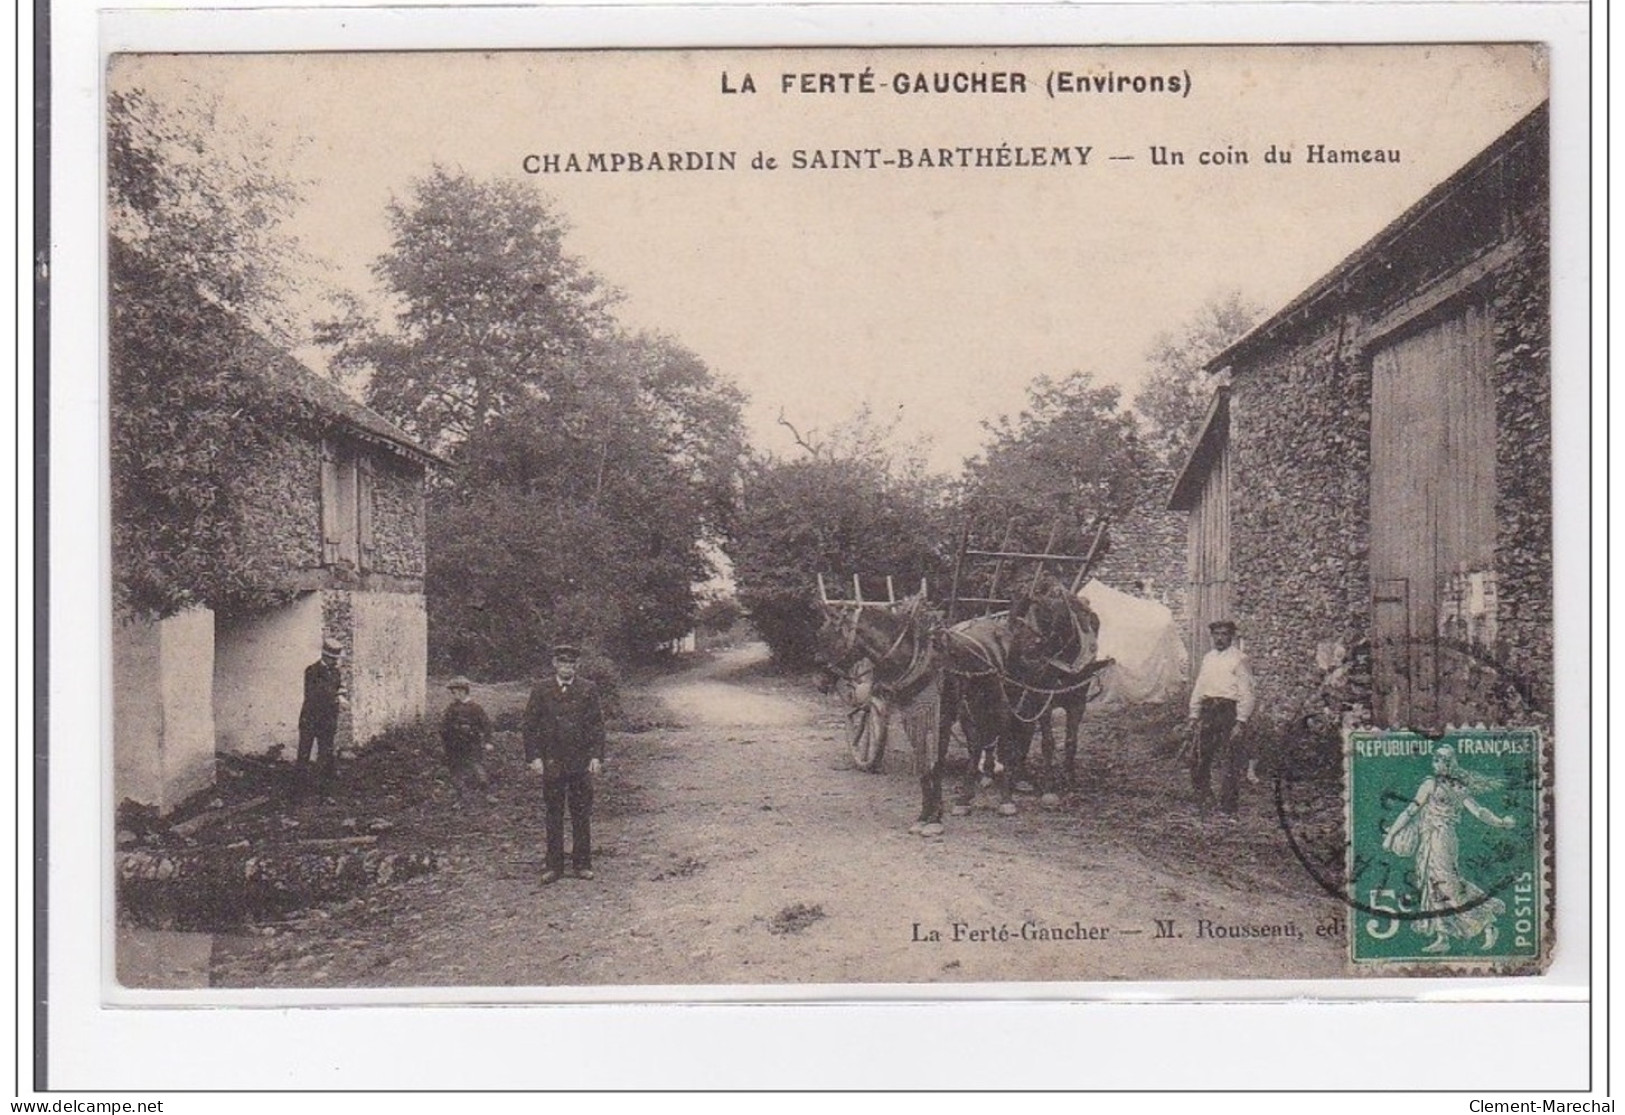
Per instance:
(1147,551)
(338,626)
(283,517)
(163,721)
(1300,435)
(1523,460)
(1300,444)
(398,528)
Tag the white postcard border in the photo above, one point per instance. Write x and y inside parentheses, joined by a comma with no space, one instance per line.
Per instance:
(161,1048)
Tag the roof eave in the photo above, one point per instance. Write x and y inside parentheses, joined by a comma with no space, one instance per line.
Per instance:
(1182,497)
(410,450)
(1339,277)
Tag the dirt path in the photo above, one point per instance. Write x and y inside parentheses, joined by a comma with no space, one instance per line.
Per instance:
(738,845)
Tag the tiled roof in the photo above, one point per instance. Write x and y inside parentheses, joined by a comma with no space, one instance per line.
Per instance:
(279,367)
(1531,127)
(368,424)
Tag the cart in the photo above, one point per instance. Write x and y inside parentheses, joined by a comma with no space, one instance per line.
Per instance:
(868,705)
(1004,557)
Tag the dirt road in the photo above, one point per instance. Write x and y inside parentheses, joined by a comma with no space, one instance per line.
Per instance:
(737,845)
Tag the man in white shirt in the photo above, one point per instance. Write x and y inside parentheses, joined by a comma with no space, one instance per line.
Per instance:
(1221,704)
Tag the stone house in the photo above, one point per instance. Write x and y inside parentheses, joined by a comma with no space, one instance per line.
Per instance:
(1377,471)
(338,517)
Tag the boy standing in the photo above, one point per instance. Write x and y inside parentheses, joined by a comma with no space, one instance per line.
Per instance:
(465,731)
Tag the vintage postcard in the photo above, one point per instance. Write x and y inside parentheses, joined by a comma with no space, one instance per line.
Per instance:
(592,521)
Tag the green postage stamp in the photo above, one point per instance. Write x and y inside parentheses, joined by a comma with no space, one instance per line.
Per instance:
(1445,848)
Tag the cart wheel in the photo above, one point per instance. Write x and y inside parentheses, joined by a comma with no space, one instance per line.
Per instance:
(855,686)
(868,735)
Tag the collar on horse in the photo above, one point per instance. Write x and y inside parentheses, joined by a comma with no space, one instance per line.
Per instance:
(921,667)
(980,648)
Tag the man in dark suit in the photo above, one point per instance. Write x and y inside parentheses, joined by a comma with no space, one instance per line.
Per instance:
(319,714)
(564,743)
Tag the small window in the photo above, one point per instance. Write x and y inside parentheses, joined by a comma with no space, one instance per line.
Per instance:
(347,506)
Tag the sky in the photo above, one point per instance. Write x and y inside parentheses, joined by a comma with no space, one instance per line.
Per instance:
(935,295)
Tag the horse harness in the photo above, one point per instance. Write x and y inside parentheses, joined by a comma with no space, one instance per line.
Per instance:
(917,674)
(994,668)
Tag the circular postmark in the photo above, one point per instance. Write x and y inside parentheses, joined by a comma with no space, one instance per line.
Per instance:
(1434,826)
(1317,838)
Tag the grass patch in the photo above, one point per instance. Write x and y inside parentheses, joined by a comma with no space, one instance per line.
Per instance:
(794,919)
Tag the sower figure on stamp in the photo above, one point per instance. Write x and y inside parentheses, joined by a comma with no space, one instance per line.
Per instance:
(564,743)
(319,717)
(465,732)
(1221,704)
(1426,829)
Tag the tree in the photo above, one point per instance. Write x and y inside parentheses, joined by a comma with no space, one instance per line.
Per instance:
(719,614)
(1049,474)
(1175,395)
(604,510)
(198,265)
(593,465)
(493,313)
(510,573)
(856,502)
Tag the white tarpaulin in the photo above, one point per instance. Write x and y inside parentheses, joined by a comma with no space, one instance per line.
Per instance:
(1144,639)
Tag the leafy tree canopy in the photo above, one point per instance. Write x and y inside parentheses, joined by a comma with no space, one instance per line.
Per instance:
(1053,471)
(854,502)
(594,465)
(491,311)
(1175,395)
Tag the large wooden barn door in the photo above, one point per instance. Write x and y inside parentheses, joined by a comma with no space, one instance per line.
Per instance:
(1432,507)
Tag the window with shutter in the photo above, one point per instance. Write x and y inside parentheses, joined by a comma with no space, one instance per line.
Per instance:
(364,511)
(341,516)
(332,528)
(348,550)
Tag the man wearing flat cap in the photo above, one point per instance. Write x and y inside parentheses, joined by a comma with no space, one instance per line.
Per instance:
(564,743)
(319,715)
(1221,704)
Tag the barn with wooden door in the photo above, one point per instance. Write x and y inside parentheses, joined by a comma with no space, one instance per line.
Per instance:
(1376,470)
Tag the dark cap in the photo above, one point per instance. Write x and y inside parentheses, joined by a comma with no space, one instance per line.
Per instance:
(566,652)
(1223,625)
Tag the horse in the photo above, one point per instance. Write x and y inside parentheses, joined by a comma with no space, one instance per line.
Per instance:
(975,656)
(898,641)
(1051,664)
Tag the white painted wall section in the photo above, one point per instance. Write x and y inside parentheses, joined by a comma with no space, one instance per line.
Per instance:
(389,661)
(259,676)
(163,715)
